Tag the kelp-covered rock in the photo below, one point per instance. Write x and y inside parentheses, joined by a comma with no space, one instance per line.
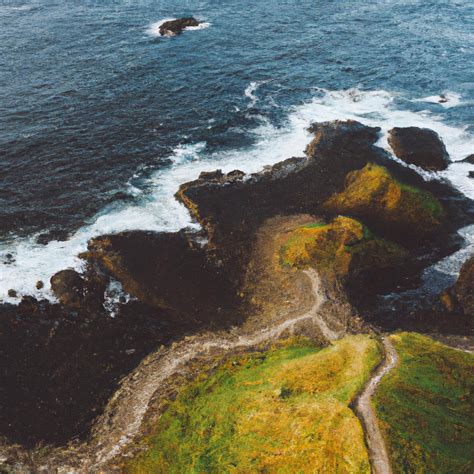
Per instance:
(344,248)
(166,272)
(176,27)
(387,204)
(419,146)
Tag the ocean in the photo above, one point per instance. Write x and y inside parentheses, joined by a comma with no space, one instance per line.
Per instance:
(101,119)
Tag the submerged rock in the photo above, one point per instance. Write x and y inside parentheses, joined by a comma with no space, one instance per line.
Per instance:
(176,27)
(419,146)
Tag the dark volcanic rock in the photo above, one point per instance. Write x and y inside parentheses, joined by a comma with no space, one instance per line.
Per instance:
(176,27)
(464,288)
(58,368)
(166,272)
(468,159)
(229,209)
(419,146)
(68,287)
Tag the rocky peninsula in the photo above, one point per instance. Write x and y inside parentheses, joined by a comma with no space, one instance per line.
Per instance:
(304,249)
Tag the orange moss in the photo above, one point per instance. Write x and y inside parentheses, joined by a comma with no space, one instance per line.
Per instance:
(372,193)
(345,247)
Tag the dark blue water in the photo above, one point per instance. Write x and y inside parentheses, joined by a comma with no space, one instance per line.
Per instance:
(93,105)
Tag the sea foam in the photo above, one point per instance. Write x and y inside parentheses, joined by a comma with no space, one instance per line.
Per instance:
(158,210)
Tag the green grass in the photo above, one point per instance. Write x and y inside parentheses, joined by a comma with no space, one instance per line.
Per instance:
(426,407)
(284,411)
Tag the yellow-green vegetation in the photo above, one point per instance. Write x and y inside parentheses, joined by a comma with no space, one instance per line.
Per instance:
(426,407)
(344,247)
(283,411)
(373,193)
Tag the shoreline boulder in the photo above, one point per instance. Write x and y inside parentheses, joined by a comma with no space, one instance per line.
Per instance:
(419,146)
(68,287)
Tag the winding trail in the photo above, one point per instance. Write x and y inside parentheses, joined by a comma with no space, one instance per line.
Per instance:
(125,412)
(363,407)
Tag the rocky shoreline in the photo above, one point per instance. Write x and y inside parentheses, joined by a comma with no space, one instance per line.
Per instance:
(366,223)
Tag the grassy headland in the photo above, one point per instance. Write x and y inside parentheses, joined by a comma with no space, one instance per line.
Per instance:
(282,411)
(425,406)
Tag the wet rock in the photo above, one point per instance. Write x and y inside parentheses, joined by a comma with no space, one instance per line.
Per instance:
(419,146)
(471,174)
(468,159)
(12,293)
(176,27)
(39,285)
(68,287)
(464,288)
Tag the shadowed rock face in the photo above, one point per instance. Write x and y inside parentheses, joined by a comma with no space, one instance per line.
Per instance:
(59,366)
(419,146)
(464,288)
(165,271)
(176,27)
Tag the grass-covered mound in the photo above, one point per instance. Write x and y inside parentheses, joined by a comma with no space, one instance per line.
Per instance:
(345,247)
(282,411)
(376,197)
(426,407)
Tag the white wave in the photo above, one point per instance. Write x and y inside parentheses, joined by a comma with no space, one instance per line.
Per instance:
(447,99)
(250,92)
(158,210)
(18,8)
(154,28)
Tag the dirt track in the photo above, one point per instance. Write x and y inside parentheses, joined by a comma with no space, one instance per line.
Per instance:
(363,407)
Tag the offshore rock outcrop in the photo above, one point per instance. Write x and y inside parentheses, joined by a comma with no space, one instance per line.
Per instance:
(419,146)
(176,27)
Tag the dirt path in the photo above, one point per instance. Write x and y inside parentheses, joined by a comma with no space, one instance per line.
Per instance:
(363,407)
(125,412)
